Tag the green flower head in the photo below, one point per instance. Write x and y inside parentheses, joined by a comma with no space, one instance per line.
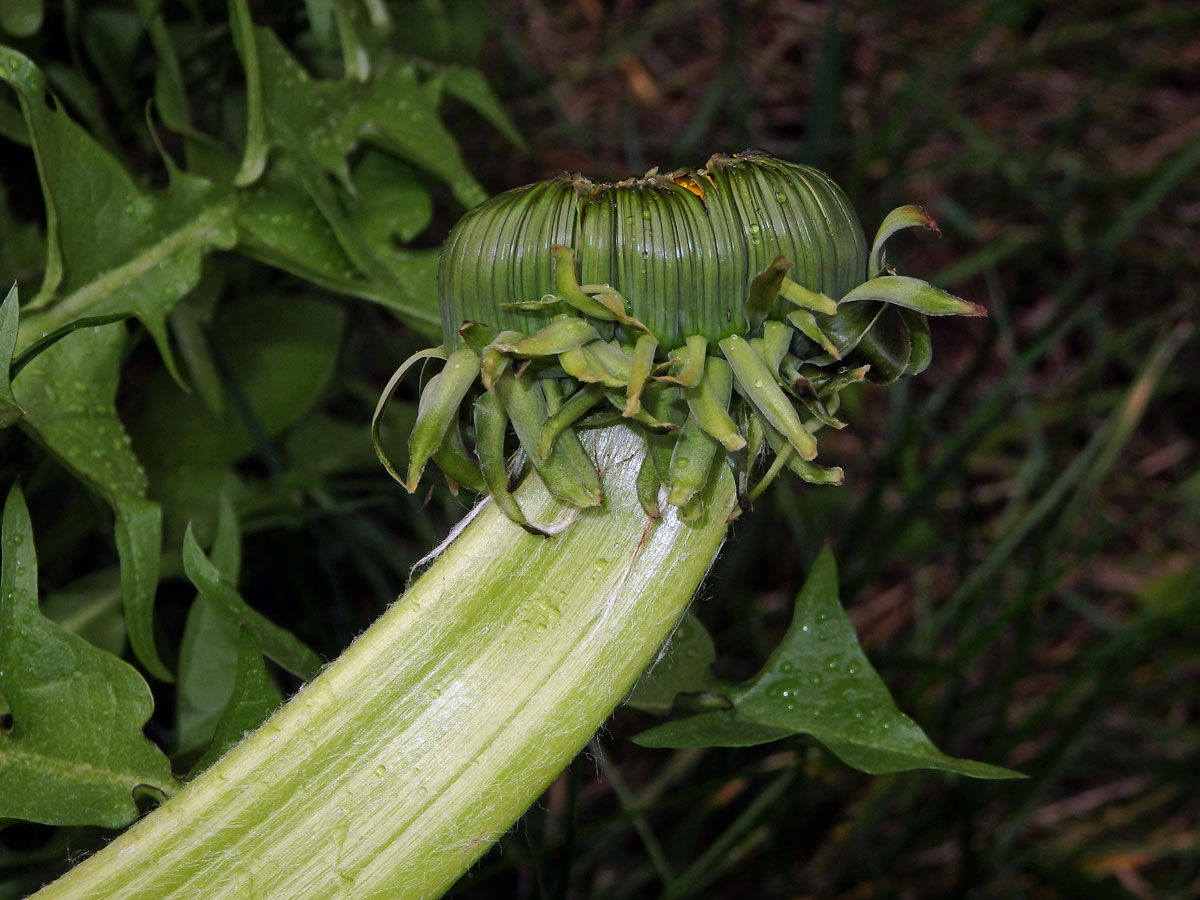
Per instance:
(719,311)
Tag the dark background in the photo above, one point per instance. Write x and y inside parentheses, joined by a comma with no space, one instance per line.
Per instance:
(1018,529)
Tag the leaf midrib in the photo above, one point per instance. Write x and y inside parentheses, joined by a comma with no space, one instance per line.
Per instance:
(13,753)
(75,304)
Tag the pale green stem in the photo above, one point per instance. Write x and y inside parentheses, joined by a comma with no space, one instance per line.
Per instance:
(407,757)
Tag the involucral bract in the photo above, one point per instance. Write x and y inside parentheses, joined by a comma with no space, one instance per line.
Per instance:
(718,311)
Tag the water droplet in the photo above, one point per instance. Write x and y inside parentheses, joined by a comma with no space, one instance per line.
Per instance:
(754,229)
(435,693)
(380,770)
(831,663)
(781,196)
(758,383)
(422,790)
(851,669)
(787,667)
(645,214)
(858,714)
(814,678)
(804,628)
(786,690)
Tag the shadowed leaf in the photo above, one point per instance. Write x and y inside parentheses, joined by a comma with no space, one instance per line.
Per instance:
(10,410)
(254,697)
(75,752)
(277,643)
(153,244)
(818,682)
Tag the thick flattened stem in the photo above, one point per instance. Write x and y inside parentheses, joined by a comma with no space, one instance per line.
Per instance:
(407,757)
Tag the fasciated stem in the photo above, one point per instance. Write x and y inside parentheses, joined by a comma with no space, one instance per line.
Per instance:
(405,759)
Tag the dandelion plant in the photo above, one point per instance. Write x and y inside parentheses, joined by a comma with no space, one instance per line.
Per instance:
(621,370)
(401,762)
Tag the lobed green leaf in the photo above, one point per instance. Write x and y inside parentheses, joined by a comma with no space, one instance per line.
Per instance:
(817,682)
(75,753)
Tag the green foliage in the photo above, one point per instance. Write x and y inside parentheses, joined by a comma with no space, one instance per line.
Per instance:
(252,697)
(277,643)
(816,682)
(1070,653)
(327,177)
(10,410)
(74,752)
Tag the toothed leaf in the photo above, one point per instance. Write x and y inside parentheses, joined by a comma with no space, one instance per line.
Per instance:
(818,682)
(75,753)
